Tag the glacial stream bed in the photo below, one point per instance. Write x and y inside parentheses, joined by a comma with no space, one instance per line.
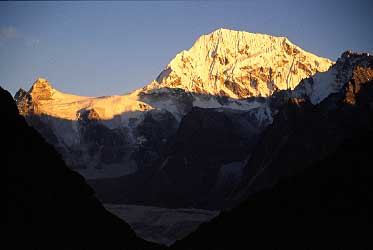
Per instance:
(161,225)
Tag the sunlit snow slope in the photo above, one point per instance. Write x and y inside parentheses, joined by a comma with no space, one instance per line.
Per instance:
(240,64)
(49,101)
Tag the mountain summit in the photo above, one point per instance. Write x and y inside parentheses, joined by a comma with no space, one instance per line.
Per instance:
(240,64)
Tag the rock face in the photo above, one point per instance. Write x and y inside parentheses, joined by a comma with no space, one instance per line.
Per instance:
(19,95)
(50,206)
(197,168)
(240,64)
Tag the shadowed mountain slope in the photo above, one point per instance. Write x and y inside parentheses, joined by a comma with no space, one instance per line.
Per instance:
(50,206)
(316,200)
(326,206)
(303,133)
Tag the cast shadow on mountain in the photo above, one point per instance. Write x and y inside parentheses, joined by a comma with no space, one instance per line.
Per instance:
(50,206)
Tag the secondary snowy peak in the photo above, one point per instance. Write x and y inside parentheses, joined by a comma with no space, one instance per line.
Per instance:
(239,65)
(43,99)
(319,86)
(41,88)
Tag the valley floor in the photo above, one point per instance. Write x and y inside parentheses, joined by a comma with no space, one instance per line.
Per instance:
(161,225)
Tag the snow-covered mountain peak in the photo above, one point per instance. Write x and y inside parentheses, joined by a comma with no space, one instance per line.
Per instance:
(43,99)
(41,87)
(41,83)
(41,80)
(320,85)
(240,64)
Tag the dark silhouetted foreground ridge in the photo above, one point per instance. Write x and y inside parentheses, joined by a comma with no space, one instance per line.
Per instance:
(50,206)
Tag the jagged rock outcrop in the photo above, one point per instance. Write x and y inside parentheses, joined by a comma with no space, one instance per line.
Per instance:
(19,95)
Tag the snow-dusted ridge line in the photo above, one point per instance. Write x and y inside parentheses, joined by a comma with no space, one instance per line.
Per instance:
(234,64)
(52,102)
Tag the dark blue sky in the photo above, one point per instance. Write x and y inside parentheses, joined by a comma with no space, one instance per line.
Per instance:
(105,48)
